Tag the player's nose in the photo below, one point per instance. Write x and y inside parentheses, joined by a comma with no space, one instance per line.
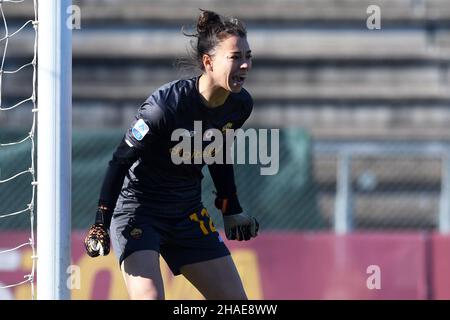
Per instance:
(245,65)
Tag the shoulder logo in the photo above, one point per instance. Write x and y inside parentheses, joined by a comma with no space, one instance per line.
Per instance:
(140,129)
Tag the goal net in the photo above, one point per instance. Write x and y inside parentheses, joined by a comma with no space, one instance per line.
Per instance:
(12,175)
(39,61)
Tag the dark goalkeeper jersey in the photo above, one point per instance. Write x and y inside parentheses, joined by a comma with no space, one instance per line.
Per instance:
(142,169)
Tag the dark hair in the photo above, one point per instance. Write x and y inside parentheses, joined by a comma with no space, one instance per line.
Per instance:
(211,29)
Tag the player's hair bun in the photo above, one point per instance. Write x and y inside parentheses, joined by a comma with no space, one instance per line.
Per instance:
(207,21)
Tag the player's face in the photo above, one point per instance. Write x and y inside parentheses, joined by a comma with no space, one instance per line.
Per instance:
(231,63)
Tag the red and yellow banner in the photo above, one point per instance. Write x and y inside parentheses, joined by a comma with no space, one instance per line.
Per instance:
(273,266)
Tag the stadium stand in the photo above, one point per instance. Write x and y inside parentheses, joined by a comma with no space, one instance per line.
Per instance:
(316,66)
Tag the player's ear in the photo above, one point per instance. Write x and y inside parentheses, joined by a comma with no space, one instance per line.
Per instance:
(207,62)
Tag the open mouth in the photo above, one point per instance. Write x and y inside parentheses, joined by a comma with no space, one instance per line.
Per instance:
(238,80)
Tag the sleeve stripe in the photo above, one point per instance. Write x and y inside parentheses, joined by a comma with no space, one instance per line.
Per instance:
(128,143)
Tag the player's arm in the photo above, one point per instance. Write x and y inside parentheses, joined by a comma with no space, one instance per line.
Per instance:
(237,225)
(143,130)
(97,240)
(223,178)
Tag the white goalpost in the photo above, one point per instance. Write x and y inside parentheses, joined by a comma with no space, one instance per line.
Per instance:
(54,149)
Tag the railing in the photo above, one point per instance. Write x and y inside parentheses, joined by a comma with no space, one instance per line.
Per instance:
(346,151)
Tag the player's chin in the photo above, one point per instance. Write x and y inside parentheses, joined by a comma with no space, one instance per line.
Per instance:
(235,88)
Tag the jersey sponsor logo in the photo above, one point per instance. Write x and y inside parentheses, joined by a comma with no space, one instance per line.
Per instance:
(229,125)
(140,129)
(208,134)
(189,134)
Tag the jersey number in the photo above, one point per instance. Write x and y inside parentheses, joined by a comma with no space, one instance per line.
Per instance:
(204,213)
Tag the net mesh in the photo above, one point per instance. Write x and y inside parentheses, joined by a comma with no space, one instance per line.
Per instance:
(27,142)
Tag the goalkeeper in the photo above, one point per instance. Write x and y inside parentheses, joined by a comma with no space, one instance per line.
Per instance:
(150,206)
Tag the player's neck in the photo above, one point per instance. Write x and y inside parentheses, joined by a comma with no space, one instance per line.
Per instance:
(212,95)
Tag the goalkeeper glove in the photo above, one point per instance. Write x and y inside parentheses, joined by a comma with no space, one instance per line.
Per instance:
(97,241)
(237,225)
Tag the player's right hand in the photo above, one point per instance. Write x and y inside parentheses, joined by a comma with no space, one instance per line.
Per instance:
(97,241)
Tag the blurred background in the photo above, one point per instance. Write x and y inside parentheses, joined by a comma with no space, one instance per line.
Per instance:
(364,120)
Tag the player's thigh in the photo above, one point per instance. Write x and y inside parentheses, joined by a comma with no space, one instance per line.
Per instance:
(216,279)
(142,275)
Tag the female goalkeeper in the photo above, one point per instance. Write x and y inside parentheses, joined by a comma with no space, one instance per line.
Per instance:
(150,205)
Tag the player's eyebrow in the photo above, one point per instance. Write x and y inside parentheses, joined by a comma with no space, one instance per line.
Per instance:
(238,52)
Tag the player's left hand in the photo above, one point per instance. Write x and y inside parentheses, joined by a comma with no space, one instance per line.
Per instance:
(240,227)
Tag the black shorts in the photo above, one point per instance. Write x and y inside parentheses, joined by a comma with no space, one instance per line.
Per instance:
(181,240)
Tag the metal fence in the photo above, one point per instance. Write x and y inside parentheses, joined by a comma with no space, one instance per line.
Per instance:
(382,185)
(285,201)
(345,186)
